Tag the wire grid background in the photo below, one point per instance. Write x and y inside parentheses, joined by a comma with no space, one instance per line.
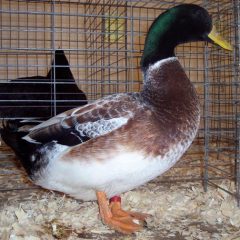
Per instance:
(103,41)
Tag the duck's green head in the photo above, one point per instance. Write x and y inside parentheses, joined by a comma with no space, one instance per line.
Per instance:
(180,24)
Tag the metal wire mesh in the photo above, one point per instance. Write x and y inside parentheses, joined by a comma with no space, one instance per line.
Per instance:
(103,41)
(221,98)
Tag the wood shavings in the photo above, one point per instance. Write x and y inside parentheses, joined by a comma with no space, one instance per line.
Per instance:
(235,219)
(5,234)
(227,208)
(21,215)
(59,230)
(181,211)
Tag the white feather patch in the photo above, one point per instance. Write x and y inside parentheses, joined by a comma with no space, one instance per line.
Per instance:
(49,122)
(162,62)
(124,172)
(100,127)
(28,139)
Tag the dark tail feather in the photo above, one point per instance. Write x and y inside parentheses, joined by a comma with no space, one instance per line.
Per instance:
(11,135)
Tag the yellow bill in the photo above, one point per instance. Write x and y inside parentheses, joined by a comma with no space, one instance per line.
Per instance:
(219,40)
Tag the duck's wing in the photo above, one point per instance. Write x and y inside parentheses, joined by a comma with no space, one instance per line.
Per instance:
(84,123)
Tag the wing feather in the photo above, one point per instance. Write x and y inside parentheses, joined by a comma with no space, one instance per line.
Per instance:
(81,124)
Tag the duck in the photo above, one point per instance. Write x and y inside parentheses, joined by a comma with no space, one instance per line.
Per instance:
(31,97)
(122,141)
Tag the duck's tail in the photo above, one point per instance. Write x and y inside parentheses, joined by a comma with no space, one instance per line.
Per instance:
(12,134)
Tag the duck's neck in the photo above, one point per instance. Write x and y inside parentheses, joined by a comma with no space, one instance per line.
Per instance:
(160,41)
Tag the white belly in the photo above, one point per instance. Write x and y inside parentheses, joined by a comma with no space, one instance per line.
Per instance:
(126,171)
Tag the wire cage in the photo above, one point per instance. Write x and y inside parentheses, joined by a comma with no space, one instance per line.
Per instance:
(103,41)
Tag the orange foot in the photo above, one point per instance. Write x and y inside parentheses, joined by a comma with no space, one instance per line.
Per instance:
(118,219)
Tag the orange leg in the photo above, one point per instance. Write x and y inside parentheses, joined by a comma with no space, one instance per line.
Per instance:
(118,219)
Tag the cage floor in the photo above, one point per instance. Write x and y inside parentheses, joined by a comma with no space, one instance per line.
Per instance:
(180,211)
